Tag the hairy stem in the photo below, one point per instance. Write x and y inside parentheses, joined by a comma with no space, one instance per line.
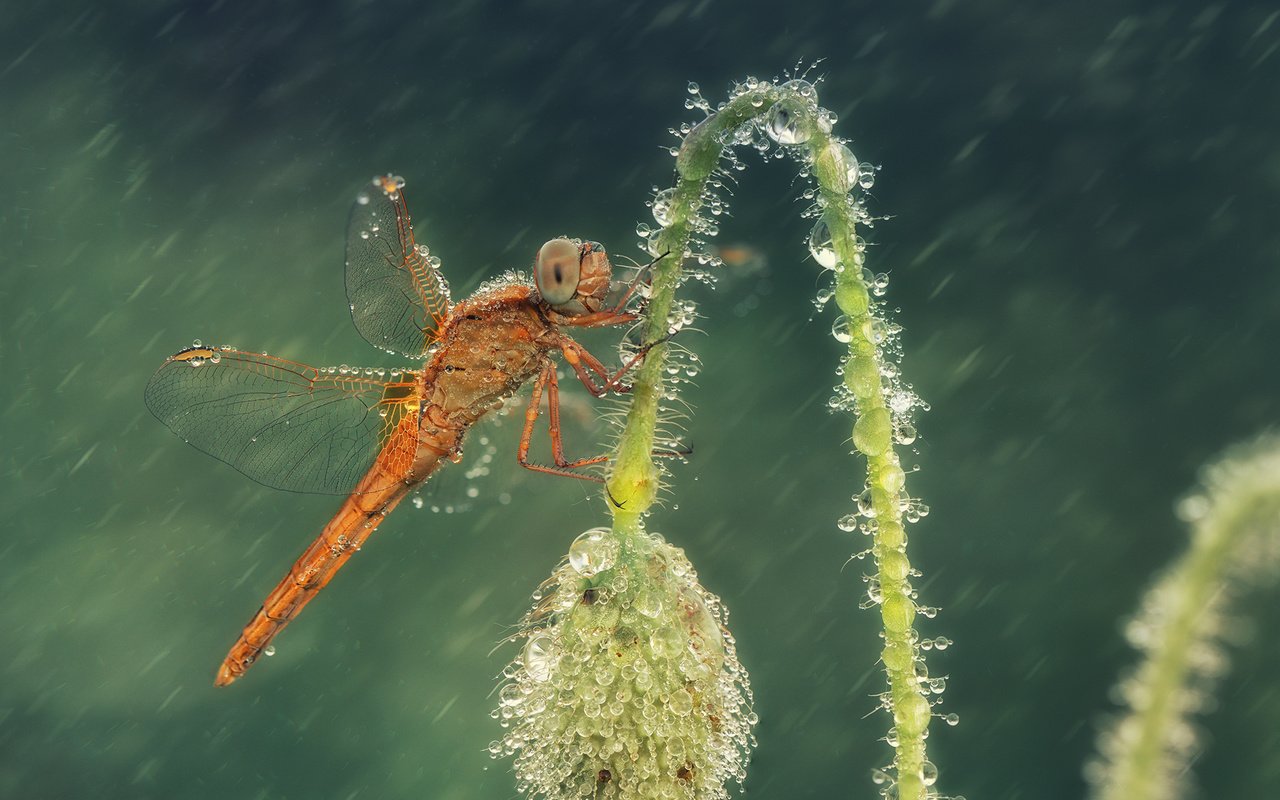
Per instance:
(1235,541)
(789,114)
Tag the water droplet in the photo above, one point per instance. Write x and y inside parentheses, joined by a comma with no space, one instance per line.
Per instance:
(820,245)
(848,523)
(649,604)
(840,330)
(269,650)
(662,206)
(802,88)
(666,641)
(866,175)
(680,703)
(840,159)
(892,478)
(952,719)
(928,773)
(865,506)
(539,657)
(784,127)
(591,552)
(874,593)
(693,88)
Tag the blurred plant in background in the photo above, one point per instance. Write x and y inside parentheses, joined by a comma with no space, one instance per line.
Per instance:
(1146,754)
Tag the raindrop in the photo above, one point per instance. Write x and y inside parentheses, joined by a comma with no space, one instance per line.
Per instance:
(802,88)
(649,604)
(666,641)
(840,330)
(845,164)
(866,175)
(865,507)
(538,657)
(784,127)
(928,773)
(591,552)
(820,245)
(662,203)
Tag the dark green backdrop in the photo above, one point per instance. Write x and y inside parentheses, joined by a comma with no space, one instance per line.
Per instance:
(1084,246)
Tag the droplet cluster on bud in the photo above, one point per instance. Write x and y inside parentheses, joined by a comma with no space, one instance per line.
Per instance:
(627,684)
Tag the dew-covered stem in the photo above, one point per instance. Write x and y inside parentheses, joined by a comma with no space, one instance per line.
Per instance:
(1235,540)
(785,119)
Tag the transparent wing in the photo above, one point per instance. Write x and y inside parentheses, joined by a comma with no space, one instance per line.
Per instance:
(285,424)
(399,299)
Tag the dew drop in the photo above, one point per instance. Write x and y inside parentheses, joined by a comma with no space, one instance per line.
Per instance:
(649,604)
(538,657)
(802,88)
(820,245)
(591,553)
(680,703)
(866,175)
(784,127)
(865,507)
(928,773)
(840,330)
(269,650)
(666,641)
(662,206)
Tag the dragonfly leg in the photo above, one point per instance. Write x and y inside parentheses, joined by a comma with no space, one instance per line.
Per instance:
(639,279)
(581,360)
(547,380)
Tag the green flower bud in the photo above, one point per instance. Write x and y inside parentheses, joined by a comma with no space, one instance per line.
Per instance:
(628,684)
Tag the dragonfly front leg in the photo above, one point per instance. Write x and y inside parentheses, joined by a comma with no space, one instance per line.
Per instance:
(581,360)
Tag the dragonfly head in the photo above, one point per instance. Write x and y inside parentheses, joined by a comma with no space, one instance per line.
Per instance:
(572,276)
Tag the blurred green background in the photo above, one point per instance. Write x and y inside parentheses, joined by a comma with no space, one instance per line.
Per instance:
(1084,247)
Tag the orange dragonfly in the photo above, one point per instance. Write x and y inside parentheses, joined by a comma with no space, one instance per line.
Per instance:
(376,435)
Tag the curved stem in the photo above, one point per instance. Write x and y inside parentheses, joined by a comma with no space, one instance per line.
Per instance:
(790,113)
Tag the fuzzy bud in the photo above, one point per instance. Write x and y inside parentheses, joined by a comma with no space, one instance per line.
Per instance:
(627,684)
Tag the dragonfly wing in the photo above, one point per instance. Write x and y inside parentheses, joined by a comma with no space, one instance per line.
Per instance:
(285,424)
(399,298)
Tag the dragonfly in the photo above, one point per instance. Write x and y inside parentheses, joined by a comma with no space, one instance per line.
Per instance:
(376,435)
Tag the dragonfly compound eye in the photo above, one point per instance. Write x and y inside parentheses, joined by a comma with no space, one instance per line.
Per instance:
(557,270)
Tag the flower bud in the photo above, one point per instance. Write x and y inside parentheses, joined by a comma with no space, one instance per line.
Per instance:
(627,684)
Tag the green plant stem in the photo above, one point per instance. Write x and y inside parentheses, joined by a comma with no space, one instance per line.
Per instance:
(634,482)
(1235,540)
